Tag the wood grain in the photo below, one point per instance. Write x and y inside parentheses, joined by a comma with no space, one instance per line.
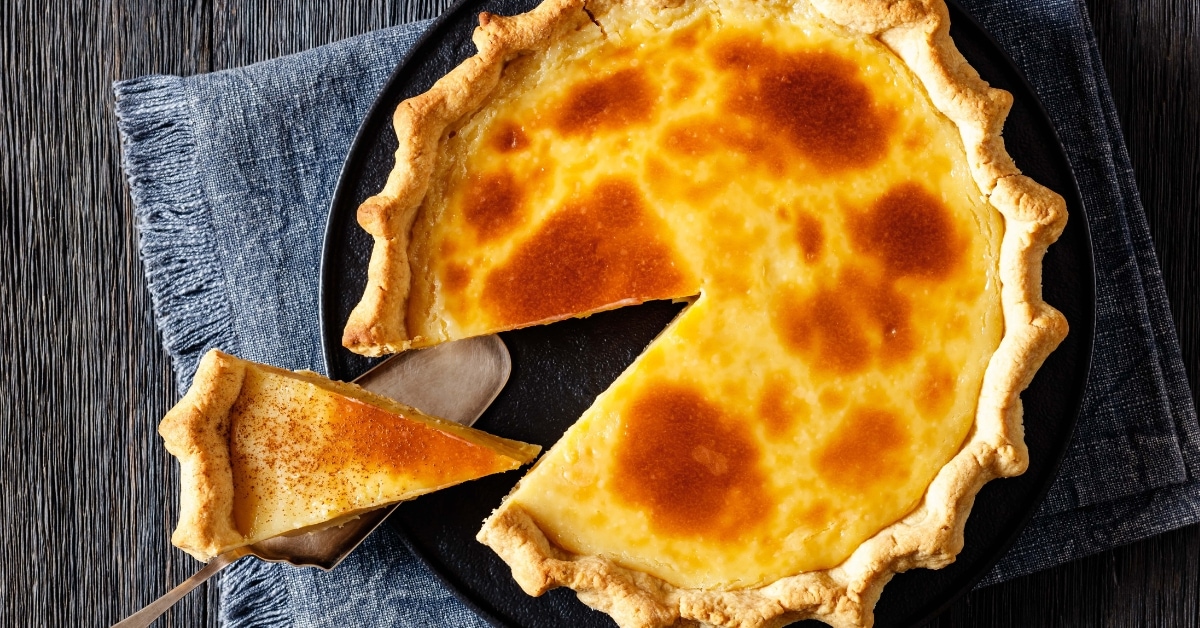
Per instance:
(88,495)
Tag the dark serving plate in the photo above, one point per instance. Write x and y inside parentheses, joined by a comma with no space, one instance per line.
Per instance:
(559,369)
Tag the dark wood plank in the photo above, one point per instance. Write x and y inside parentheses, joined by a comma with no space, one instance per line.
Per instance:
(247,32)
(88,489)
(88,495)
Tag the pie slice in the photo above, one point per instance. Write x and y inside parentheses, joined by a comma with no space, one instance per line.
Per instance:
(826,184)
(265,451)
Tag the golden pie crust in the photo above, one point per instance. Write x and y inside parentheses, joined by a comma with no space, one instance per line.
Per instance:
(930,535)
(264,451)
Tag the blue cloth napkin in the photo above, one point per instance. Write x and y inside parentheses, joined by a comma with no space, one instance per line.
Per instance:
(232,173)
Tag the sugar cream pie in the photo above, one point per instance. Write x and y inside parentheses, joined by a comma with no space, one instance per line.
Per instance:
(264,451)
(824,181)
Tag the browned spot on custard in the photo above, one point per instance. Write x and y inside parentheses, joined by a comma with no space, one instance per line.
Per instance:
(915,140)
(823,328)
(867,449)
(846,323)
(378,439)
(703,135)
(832,399)
(492,202)
(657,171)
(886,312)
(685,40)
(686,82)
(815,99)
(810,235)
(665,180)
(621,99)
(911,232)
(509,137)
(779,409)
(936,392)
(691,138)
(455,277)
(691,467)
(620,53)
(596,251)
(816,516)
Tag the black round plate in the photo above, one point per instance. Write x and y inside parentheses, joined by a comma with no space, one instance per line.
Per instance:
(559,369)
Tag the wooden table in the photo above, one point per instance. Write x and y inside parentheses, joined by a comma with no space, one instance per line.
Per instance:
(89,492)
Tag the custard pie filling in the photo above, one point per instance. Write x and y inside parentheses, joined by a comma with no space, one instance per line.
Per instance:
(799,185)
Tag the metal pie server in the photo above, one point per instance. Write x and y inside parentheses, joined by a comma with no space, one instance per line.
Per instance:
(456,381)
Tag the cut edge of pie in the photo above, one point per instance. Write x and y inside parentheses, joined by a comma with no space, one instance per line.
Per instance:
(930,536)
(198,431)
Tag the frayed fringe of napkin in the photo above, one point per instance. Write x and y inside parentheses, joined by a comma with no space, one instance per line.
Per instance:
(254,595)
(177,243)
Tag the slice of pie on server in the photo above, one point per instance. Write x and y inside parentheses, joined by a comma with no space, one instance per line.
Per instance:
(264,451)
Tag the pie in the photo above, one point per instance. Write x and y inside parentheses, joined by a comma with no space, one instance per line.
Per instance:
(825,184)
(264,451)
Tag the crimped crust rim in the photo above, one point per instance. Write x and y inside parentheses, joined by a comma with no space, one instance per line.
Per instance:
(196,431)
(917,31)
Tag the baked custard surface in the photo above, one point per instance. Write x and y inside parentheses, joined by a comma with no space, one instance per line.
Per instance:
(862,317)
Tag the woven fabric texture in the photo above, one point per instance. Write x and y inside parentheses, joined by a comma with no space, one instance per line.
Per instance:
(232,174)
